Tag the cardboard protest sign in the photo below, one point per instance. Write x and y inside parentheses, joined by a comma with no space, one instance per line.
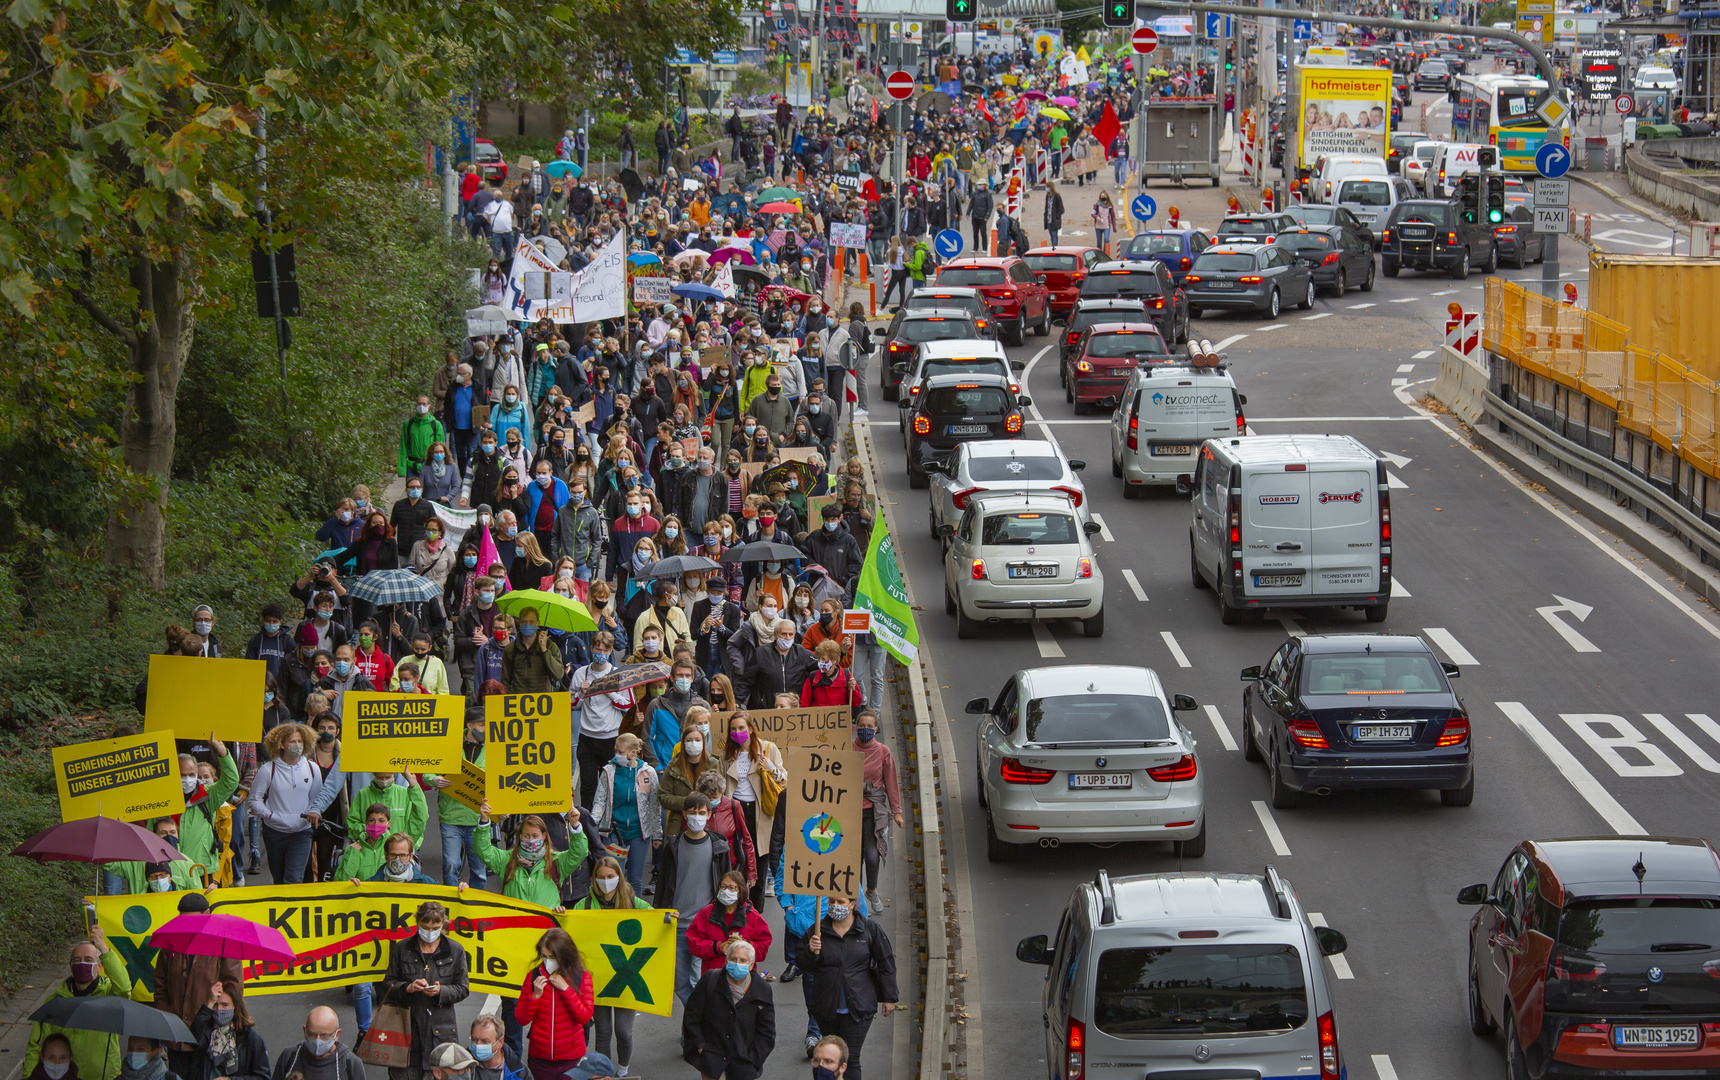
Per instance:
(714,355)
(203,695)
(528,766)
(129,778)
(823,725)
(751,470)
(402,732)
(653,290)
(797,453)
(585,414)
(822,854)
(342,934)
(468,785)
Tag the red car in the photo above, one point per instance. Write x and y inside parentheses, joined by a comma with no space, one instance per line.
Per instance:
(491,165)
(1109,353)
(1061,270)
(1008,285)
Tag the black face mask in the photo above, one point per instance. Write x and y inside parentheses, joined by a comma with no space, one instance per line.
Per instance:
(325,737)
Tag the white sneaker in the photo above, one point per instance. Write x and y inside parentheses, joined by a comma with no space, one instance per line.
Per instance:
(770,886)
(861,412)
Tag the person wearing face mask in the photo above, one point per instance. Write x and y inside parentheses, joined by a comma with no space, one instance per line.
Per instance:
(694,862)
(416,434)
(729,1028)
(625,806)
(426,974)
(55,1060)
(729,822)
(412,513)
(492,1057)
(409,811)
(631,548)
(273,642)
(466,392)
(801,611)
(203,625)
(833,547)
(146,1059)
(600,714)
(852,974)
(728,918)
(531,662)
(362,858)
(474,629)
(484,474)
(369,659)
(881,793)
(516,455)
(142,877)
(579,531)
(281,795)
(545,499)
(831,684)
(753,776)
(322,1055)
(228,1042)
(557,1000)
(342,527)
(609,891)
(460,589)
(780,665)
(97,970)
(829,1058)
(662,614)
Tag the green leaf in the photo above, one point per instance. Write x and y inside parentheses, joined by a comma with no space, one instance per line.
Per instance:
(21,290)
(227,196)
(27,12)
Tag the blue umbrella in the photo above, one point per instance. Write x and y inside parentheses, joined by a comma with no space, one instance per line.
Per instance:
(643,258)
(562,167)
(695,291)
(381,587)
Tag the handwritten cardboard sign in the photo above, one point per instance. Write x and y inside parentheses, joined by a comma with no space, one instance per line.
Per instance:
(822,852)
(823,725)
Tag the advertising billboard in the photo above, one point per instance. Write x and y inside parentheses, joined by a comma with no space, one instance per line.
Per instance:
(1344,111)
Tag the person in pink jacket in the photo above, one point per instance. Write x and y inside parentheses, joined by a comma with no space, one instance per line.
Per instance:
(1104,221)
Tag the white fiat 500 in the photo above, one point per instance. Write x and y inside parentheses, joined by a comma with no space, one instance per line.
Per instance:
(1022,556)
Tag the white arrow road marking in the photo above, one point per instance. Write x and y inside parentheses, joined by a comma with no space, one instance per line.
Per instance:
(1279,847)
(1218,724)
(1448,645)
(1396,459)
(1135,585)
(1609,808)
(1176,650)
(1340,966)
(1393,482)
(1569,633)
(1104,530)
(1228,342)
(1048,647)
(1383,1066)
(1398,589)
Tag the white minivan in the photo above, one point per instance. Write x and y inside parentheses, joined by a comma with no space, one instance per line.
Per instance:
(1331,171)
(1291,521)
(1451,161)
(1162,417)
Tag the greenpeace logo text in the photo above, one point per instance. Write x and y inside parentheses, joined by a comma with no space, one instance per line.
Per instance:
(1329,496)
(1279,500)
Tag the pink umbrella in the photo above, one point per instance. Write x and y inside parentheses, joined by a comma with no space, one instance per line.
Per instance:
(1065,100)
(226,936)
(97,840)
(1037,95)
(723,255)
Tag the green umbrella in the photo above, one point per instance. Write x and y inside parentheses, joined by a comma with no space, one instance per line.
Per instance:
(775,193)
(555,611)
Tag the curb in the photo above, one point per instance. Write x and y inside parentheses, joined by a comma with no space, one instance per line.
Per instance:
(22,1025)
(1653,211)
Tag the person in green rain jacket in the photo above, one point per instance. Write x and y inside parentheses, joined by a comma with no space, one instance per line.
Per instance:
(182,873)
(97,970)
(531,870)
(197,823)
(408,811)
(365,856)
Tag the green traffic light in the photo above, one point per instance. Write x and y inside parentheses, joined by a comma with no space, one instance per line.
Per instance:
(1495,216)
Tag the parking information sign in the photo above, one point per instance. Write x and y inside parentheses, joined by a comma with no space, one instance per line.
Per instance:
(1552,219)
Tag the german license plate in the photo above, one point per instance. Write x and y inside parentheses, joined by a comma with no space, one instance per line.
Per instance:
(1179,450)
(1277,581)
(1382,732)
(1656,1037)
(1412,232)
(1101,780)
(969,429)
(1032,571)
(1221,284)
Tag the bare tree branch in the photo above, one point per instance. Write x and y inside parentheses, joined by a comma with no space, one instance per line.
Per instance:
(103,319)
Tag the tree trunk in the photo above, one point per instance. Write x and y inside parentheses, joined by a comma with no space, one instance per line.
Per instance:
(158,343)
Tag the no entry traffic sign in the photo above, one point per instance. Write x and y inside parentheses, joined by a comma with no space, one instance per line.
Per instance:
(1145,40)
(900,85)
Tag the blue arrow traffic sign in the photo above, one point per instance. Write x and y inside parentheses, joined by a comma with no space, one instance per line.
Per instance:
(1144,207)
(1552,160)
(1303,30)
(1217,26)
(948,243)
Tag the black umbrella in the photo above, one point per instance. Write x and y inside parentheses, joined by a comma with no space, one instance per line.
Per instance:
(625,677)
(742,273)
(632,185)
(973,88)
(115,1015)
(674,566)
(762,551)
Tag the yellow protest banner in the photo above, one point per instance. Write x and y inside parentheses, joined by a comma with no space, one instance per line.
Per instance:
(342,933)
(200,695)
(402,732)
(527,766)
(822,855)
(822,725)
(128,778)
(468,787)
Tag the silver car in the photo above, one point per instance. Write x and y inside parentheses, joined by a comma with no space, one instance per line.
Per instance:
(1151,974)
(1003,465)
(1087,753)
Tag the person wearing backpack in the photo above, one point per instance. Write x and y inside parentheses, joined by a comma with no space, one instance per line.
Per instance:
(859,352)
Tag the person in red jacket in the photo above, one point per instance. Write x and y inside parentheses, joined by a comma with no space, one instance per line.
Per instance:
(831,684)
(557,1001)
(727,919)
(729,822)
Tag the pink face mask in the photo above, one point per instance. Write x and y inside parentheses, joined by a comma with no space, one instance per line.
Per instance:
(375,829)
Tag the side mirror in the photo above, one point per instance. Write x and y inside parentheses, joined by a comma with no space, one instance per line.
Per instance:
(905,401)
(1451,671)
(898,369)
(1092,528)
(1018,365)
(947,532)
(1024,401)
(1331,942)
(1034,950)
(1183,703)
(1185,484)
(1473,895)
(933,465)
(1242,399)
(979,707)
(1249,674)
(1076,464)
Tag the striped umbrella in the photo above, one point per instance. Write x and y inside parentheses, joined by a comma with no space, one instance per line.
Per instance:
(381,587)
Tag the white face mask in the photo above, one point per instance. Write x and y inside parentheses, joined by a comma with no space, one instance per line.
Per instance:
(696,822)
(551,964)
(608,884)
(694,747)
(727,896)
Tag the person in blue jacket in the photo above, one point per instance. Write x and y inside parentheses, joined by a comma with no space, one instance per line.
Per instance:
(541,518)
(798,915)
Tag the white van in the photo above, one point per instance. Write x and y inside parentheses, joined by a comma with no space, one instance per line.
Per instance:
(1291,521)
(1372,198)
(1332,171)
(1451,161)
(1162,417)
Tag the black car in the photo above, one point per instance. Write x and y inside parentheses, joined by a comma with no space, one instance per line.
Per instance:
(1432,75)
(1259,228)
(910,329)
(953,409)
(1430,234)
(1092,312)
(1319,217)
(1519,244)
(1148,281)
(1248,277)
(1334,712)
(1338,256)
(1400,146)
(960,297)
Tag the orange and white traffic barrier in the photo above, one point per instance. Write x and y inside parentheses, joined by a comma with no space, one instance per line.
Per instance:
(1570,294)
(1267,200)
(1175,214)
(1235,207)
(1463,330)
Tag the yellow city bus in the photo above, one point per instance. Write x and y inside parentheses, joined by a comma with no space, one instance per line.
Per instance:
(1499,110)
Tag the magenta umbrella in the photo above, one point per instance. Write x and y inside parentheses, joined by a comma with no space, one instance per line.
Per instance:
(1036,95)
(1066,101)
(201,933)
(97,840)
(723,255)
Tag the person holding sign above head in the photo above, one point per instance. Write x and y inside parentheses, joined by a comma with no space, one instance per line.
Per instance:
(426,975)
(97,970)
(408,810)
(852,969)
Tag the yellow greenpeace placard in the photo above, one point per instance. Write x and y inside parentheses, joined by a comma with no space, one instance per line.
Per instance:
(128,778)
(468,785)
(342,935)
(1344,111)
(401,732)
(203,695)
(528,768)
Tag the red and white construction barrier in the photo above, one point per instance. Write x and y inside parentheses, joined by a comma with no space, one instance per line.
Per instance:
(1463,332)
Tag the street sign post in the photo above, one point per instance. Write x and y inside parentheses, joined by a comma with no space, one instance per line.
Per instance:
(1624,104)
(1143,207)
(900,85)
(1552,219)
(1552,193)
(1145,40)
(948,243)
(1552,160)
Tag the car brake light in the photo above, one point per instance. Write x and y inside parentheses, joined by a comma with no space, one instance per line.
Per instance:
(1712,967)
(1506,229)
(960,498)
(922,426)
(1134,432)
(1251,279)
(1181,769)
(1083,366)
(1012,423)
(896,346)
(1077,1048)
(913,391)
(1568,968)
(1329,1061)
(1192,278)
(1159,304)
(1014,772)
(1331,259)
(1456,732)
(1073,493)
(1385,497)
(978,569)
(1233,514)
(1451,238)
(1072,337)
(1241,423)
(1086,570)
(1078,277)
(1307,733)
(1186,263)
(1386,237)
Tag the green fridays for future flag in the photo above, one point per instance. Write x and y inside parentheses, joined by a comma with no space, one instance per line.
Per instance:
(881,592)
